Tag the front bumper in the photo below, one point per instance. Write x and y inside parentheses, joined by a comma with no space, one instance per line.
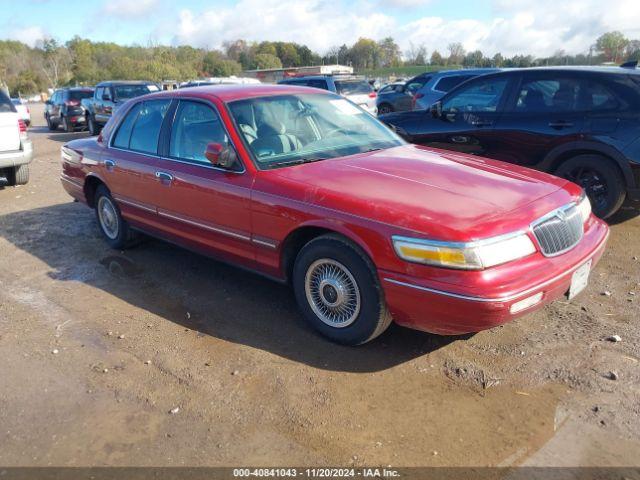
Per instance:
(17,157)
(421,305)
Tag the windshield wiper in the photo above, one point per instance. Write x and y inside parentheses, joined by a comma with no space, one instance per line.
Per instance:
(297,161)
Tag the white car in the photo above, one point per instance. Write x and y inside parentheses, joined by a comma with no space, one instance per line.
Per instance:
(15,147)
(23,110)
(355,88)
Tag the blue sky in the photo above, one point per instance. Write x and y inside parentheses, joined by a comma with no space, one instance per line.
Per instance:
(508,26)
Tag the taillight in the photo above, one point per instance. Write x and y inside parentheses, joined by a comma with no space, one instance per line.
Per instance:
(373,95)
(22,127)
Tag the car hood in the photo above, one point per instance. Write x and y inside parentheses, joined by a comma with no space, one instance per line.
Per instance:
(434,192)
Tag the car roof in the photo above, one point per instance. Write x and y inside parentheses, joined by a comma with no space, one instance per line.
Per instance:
(569,68)
(322,77)
(124,82)
(229,93)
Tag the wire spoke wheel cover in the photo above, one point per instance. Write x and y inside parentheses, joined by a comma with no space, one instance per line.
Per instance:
(108,218)
(332,293)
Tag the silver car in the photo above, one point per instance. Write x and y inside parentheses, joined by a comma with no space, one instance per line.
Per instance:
(355,88)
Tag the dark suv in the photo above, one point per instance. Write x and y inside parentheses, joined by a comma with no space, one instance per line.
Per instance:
(580,123)
(64,108)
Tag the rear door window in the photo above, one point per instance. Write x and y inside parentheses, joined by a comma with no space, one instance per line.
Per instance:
(123,135)
(146,129)
(561,94)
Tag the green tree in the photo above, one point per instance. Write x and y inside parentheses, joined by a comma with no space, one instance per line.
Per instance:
(214,64)
(364,53)
(456,53)
(612,46)
(267,60)
(83,66)
(389,53)
(436,58)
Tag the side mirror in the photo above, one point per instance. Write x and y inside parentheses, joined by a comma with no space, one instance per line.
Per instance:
(220,156)
(106,96)
(436,109)
(48,102)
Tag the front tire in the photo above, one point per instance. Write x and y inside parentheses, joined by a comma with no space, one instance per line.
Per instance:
(337,290)
(94,129)
(114,228)
(601,180)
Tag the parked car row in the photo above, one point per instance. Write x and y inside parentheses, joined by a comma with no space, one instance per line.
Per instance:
(578,123)
(305,187)
(15,147)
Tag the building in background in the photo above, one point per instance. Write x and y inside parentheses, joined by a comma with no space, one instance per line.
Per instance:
(274,75)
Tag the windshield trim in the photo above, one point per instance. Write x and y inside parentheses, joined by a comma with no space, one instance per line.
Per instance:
(261,166)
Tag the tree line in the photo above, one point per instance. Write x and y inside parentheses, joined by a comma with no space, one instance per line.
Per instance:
(50,64)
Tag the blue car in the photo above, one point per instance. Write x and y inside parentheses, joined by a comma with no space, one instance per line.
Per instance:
(429,87)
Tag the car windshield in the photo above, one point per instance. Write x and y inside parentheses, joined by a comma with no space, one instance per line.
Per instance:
(124,92)
(289,129)
(353,87)
(80,94)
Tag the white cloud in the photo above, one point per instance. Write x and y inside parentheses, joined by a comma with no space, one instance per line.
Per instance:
(126,9)
(28,35)
(518,26)
(316,23)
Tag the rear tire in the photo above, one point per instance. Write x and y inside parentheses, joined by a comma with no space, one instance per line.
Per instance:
(337,289)
(51,124)
(18,175)
(601,180)
(113,227)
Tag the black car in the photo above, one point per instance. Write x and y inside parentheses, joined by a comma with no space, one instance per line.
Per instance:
(64,108)
(581,123)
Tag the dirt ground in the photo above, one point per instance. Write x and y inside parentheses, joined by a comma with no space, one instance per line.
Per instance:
(98,347)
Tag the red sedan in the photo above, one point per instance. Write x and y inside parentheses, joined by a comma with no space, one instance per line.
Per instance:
(303,186)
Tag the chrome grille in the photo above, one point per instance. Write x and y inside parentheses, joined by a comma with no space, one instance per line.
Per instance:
(559,231)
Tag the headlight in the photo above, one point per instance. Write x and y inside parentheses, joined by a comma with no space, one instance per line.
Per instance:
(468,256)
(584,207)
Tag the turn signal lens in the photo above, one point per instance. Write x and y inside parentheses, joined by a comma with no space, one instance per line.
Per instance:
(468,256)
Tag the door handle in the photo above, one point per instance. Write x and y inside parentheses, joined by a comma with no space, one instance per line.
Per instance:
(459,139)
(560,124)
(481,123)
(109,165)
(164,177)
